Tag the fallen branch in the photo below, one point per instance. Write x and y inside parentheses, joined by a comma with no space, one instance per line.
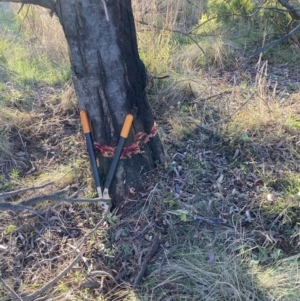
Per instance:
(50,197)
(88,267)
(210,97)
(147,259)
(14,207)
(150,77)
(24,205)
(10,290)
(6,195)
(54,280)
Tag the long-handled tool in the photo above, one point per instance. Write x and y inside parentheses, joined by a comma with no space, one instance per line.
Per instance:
(106,200)
(124,134)
(89,141)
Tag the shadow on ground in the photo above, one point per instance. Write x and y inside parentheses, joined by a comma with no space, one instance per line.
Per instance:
(222,211)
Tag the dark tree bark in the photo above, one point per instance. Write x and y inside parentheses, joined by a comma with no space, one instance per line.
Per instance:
(109,80)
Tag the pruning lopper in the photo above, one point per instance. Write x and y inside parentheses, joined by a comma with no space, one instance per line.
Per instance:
(104,198)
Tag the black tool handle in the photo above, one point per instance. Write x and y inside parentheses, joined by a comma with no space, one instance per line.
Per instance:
(114,163)
(90,148)
(91,152)
(124,134)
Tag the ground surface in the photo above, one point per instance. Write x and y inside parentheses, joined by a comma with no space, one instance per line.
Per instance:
(208,195)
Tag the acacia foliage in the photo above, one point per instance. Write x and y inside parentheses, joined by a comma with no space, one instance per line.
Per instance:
(250,23)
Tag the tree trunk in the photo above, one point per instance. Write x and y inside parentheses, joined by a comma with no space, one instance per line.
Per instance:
(110,80)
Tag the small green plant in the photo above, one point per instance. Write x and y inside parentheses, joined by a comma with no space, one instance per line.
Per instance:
(10,229)
(62,287)
(127,249)
(14,174)
(77,277)
(109,252)
(171,202)
(294,123)
(112,219)
(35,286)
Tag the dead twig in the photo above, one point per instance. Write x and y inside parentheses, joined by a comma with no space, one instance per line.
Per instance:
(24,205)
(24,146)
(233,113)
(57,198)
(148,198)
(88,267)
(6,195)
(45,298)
(32,169)
(14,207)
(54,280)
(146,261)
(210,97)
(89,234)
(10,290)
(187,34)
(44,197)
(81,242)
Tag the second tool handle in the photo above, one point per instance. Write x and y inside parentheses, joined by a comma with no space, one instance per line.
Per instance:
(126,126)
(90,147)
(124,134)
(85,122)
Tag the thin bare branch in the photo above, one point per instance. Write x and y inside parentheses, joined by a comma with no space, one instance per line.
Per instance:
(146,261)
(6,195)
(274,43)
(22,5)
(197,100)
(5,206)
(43,3)
(43,197)
(238,109)
(56,198)
(294,12)
(190,37)
(10,290)
(54,280)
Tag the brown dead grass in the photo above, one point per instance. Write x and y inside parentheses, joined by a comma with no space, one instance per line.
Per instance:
(44,31)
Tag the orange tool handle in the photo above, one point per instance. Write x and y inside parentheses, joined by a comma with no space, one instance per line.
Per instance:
(126,126)
(85,122)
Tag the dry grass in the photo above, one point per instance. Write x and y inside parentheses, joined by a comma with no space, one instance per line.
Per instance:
(233,138)
(44,32)
(255,127)
(189,274)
